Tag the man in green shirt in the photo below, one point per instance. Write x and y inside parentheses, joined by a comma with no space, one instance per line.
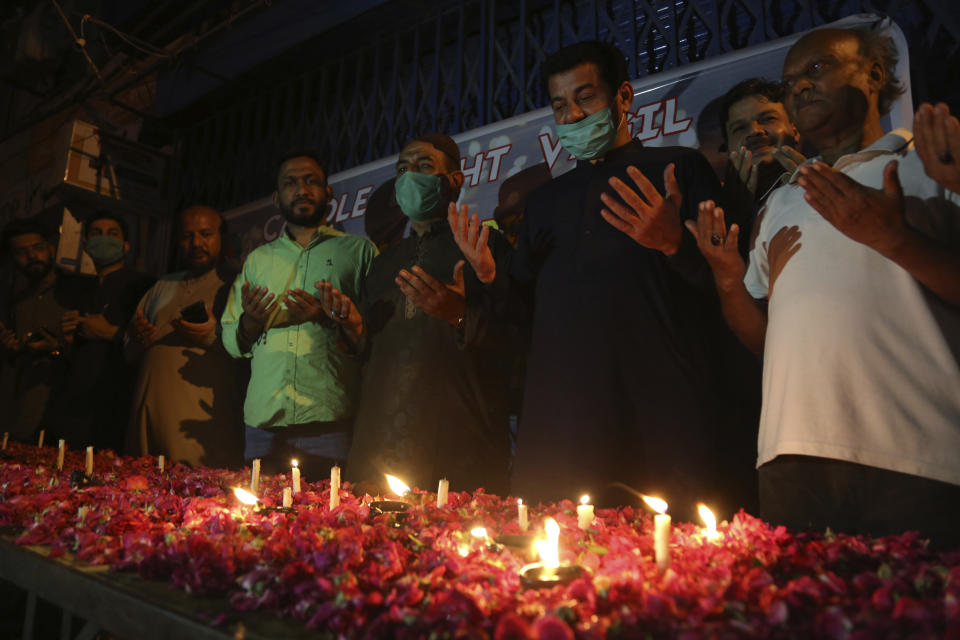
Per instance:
(304,377)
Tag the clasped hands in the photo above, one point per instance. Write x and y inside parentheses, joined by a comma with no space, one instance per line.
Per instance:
(329,304)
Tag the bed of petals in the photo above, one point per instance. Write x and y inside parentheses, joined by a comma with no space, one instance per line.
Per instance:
(350,574)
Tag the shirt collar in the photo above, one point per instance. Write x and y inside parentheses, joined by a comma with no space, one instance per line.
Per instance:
(322,233)
(894,142)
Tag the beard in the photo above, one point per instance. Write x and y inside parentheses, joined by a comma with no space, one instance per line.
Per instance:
(312,219)
(200,261)
(36,270)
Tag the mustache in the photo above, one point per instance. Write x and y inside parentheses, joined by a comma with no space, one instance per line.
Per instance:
(804,99)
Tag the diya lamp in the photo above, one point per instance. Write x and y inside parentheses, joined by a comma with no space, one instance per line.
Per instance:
(247,499)
(397,508)
(549,572)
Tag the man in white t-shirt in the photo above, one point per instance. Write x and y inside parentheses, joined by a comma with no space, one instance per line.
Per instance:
(851,295)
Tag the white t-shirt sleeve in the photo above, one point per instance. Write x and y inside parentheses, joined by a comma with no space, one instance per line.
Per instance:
(757,279)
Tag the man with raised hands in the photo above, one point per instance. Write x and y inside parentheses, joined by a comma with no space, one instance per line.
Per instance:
(851,295)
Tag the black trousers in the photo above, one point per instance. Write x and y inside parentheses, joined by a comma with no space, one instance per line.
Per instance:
(809,493)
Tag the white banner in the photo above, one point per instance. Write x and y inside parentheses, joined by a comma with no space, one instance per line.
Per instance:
(502,162)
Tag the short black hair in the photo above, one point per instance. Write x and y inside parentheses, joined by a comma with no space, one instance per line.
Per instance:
(610,61)
(446,145)
(878,46)
(761,87)
(106,215)
(303,153)
(22,227)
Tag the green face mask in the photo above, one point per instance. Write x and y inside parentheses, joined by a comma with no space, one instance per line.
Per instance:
(589,138)
(104,250)
(422,196)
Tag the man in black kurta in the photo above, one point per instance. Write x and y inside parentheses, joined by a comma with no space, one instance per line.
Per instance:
(92,405)
(434,398)
(624,375)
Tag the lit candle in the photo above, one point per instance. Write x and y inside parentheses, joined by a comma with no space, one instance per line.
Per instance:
(161,461)
(255,476)
(584,512)
(549,549)
(287,497)
(710,530)
(661,531)
(245,497)
(334,487)
(60,451)
(398,486)
(295,476)
(40,441)
(522,515)
(442,492)
(6,436)
(89,461)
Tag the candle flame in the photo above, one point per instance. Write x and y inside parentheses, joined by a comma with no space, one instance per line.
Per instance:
(294,463)
(709,520)
(657,504)
(478,532)
(397,485)
(549,549)
(519,501)
(585,499)
(245,496)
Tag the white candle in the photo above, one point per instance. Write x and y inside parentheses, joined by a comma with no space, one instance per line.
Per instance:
(40,441)
(522,515)
(442,492)
(287,497)
(255,476)
(334,487)
(6,436)
(89,461)
(661,539)
(584,513)
(295,476)
(161,461)
(60,451)
(661,531)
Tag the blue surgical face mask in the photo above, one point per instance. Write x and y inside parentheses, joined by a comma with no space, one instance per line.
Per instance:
(422,196)
(104,250)
(591,137)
